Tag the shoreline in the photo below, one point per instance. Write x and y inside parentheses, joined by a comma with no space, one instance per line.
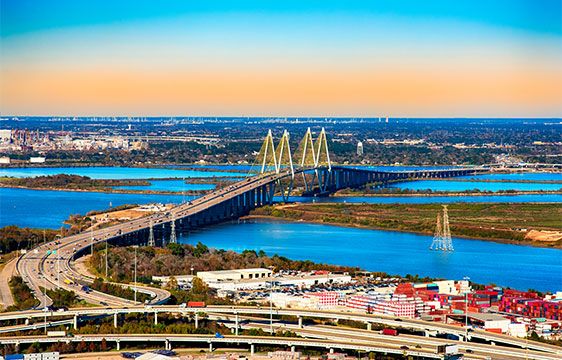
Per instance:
(357,226)
(106,191)
(438,194)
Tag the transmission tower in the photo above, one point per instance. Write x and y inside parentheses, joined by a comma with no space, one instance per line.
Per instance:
(438,235)
(164,243)
(173,239)
(151,241)
(447,240)
(442,237)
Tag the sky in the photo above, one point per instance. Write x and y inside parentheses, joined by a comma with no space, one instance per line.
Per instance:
(397,58)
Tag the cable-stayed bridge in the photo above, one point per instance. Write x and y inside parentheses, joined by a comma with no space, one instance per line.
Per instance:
(276,171)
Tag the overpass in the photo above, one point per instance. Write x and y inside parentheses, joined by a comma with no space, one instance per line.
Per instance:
(73,316)
(276,169)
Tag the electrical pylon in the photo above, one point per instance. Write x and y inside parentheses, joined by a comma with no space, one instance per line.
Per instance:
(442,238)
(164,242)
(151,241)
(173,238)
(447,240)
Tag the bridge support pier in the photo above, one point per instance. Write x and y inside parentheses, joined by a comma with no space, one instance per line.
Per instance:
(252,349)
(118,343)
(168,345)
(27,321)
(369,326)
(155,318)
(236,320)
(331,350)
(210,347)
(426,333)
(196,320)
(292,348)
(300,322)
(75,322)
(115,320)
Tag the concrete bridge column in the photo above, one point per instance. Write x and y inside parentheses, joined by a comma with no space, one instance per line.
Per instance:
(27,321)
(115,320)
(258,196)
(210,347)
(264,194)
(168,345)
(369,326)
(300,322)
(331,350)
(155,318)
(292,348)
(196,321)
(236,321)
(75,322)
(252,349)
(118,345)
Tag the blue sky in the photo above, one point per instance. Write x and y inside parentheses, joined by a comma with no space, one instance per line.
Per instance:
(437,57)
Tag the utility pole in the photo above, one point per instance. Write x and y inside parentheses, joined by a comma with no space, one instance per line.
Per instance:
(135,290)
(92,239)
(466,309)
(106,256)
(45,299)
(271,307)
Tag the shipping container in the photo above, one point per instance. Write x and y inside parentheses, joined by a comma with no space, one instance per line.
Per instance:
(494,330)
(392,332)
(196,304)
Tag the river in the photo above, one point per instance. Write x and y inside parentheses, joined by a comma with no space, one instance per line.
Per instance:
(485,262)
(49,208)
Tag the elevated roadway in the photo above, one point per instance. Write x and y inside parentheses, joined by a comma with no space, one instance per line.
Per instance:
(418,325)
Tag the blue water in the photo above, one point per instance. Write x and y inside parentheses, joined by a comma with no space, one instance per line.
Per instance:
(457,186)
(485,262)
(394,168)
(521,176)
(168,185)
(48,209)
(107,172)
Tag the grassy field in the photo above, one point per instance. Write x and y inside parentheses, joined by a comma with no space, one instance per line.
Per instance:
(501,222)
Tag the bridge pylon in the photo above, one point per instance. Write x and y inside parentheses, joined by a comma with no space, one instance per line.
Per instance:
(285,163)
(322,152)
(266,159)
(305,157)
(322,160)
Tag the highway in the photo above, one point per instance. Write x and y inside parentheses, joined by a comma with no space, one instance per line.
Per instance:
(349,341)
(48,265)
(418,325)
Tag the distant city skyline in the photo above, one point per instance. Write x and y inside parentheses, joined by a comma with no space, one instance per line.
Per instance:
(288,58)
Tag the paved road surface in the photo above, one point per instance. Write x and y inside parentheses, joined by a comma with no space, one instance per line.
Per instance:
(8,271)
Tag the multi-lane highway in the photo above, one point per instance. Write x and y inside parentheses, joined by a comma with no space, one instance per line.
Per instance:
(239,311)
(49,265)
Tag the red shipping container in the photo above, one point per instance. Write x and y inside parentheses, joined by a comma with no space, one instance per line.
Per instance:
(198,304)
